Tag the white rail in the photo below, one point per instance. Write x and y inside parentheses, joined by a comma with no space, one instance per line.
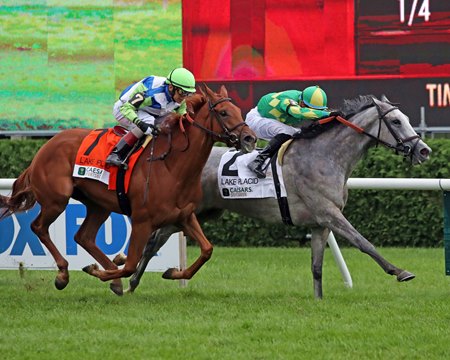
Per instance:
(358,183)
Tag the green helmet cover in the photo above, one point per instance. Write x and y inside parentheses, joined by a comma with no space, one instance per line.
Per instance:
(314,97)
(182,78)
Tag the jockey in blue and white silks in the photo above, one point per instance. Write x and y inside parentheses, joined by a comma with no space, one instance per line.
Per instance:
(141,103)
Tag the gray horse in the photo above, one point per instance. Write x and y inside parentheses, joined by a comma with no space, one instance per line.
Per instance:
(315,172)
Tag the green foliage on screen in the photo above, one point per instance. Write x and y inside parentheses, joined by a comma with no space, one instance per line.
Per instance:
(65,62)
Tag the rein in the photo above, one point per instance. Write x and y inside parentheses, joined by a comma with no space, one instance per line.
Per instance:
(228,137)
(399,147)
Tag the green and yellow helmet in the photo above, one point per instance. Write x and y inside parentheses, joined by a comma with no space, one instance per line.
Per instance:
(182,78)
(314,97)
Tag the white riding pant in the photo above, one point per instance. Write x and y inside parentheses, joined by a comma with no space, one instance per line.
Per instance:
(143,116)
(266,128)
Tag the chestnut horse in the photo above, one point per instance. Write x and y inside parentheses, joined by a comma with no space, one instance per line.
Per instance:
(169,195)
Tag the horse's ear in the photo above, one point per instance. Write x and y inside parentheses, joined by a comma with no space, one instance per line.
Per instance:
(223,91)
(384,98)
(202,89)
(206,91)
(376,101)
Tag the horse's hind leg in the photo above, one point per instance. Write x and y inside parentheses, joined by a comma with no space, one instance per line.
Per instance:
(85,237)
(318,243)
(40,225)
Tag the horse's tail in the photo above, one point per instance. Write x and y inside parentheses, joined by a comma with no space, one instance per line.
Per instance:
(21,199)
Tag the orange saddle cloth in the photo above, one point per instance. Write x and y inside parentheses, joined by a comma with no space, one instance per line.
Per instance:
(90,162)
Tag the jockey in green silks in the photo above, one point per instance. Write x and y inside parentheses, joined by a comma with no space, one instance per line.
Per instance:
(141,103)
(277,114)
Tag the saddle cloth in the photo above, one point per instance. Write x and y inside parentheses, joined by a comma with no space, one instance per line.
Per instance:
(92,154)
(236,180)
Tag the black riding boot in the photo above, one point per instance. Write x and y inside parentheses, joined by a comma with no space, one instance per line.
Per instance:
(123,147)
(257,165)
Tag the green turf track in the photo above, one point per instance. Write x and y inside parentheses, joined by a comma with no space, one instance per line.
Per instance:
(244,304)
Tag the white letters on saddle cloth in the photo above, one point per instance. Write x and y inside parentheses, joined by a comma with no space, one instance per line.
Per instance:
(236,180)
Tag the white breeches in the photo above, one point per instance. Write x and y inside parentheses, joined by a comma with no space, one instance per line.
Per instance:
(266,128)
(143,116)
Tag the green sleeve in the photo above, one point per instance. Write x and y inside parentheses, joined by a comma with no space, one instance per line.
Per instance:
(182,109)
(129,110)
(304,113)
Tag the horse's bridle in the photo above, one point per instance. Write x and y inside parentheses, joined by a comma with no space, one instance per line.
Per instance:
(399,147)
(228,136)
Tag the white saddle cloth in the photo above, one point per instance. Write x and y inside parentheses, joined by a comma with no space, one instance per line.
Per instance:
(236,180)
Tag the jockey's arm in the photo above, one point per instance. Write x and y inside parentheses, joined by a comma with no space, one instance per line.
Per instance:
(130,107)
(293,109)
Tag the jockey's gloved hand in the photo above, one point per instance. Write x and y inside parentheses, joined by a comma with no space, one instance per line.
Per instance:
(148,129)
(336,113)
(291,103)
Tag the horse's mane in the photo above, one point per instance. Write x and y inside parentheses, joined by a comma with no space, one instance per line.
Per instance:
(171,120)
(351,107)
(195,102)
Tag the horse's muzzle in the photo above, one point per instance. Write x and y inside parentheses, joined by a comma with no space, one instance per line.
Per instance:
(248,143)
(420,153)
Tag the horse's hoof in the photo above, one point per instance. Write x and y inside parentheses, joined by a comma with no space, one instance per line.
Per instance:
(405,276)
(169,274)
(116,288)
(90,268)
(62,279)
(119,259)
(60,284)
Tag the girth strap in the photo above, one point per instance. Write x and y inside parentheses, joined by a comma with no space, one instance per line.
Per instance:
(122,197)
(282,200)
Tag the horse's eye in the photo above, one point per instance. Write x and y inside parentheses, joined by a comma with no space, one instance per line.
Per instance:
(396,122)
(223,113)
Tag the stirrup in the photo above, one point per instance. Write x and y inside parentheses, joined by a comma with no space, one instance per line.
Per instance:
(114,159)
(258,169)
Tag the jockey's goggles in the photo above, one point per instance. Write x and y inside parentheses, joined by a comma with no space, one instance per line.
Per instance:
(184,93)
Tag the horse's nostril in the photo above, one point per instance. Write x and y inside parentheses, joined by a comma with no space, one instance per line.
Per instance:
(425,152)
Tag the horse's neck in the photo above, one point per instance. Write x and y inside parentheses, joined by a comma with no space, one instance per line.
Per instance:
(344,145)
(189,153)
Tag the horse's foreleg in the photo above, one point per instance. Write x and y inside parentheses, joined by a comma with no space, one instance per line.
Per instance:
(85,237)
(336,222)
(157,240)
(40,227)
(139,234)
(191,228)
(318,242)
